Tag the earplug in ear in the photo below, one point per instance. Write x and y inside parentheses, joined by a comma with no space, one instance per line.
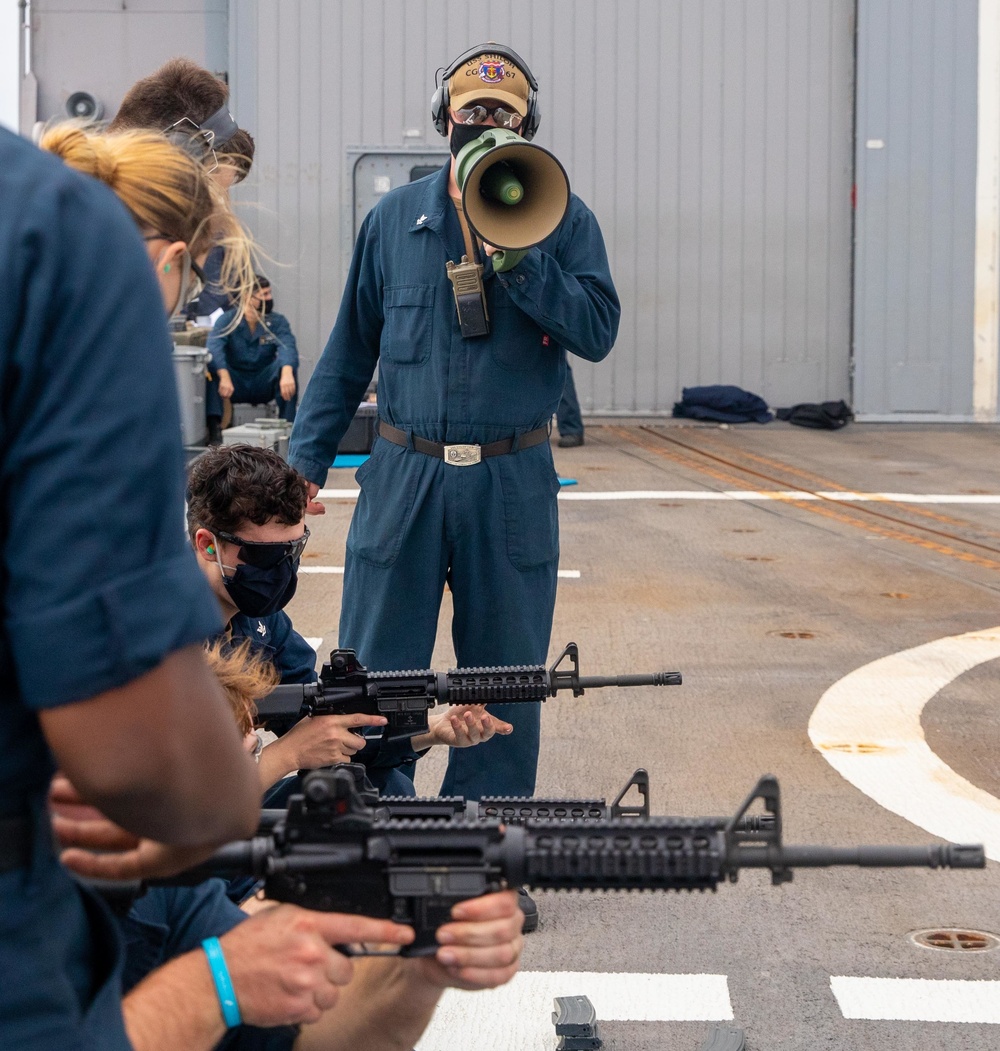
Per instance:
(210,549)
(166,268)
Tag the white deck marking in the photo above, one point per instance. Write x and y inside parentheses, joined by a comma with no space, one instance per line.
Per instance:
(753,496)
(867,727)
(518,1015)
(746,495)
(314,642)
(567,574)
(917,999)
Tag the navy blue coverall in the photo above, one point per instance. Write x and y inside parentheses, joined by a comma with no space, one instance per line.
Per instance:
(254,360)
(489,530)
(97,583)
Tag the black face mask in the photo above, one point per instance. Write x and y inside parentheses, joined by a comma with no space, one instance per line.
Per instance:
(268,306)
(463,134)
(261,592)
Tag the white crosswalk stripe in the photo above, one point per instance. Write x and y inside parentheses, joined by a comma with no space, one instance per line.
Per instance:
(917,999)
(518,1016)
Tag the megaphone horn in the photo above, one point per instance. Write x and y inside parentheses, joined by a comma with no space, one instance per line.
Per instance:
(514,193)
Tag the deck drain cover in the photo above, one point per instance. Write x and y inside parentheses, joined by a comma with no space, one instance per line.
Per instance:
(793,634)
(758,558)
(955,939)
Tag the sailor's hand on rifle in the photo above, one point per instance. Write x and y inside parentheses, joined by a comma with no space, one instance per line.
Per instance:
(461,726)
(314,742)
(313,506)
(283,968)
(481,948)
(97,848)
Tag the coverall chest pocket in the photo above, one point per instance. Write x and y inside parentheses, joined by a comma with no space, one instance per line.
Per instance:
(408,333)
(517,344)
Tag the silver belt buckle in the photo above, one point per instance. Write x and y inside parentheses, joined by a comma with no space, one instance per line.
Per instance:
(462,455)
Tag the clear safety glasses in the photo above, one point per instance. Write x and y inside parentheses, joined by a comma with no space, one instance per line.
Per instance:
(266,555)
(504,118)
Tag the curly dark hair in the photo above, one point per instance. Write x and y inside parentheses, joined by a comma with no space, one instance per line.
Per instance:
(181,88)
(232,484)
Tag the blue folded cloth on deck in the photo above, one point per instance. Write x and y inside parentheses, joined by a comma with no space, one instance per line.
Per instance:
(724,404)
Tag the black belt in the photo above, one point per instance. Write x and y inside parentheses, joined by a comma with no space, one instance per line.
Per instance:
(15,842)
(462,455)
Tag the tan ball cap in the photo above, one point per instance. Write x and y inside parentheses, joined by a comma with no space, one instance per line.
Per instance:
(489,76)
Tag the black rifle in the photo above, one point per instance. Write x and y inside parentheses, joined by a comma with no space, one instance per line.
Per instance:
(346,687)
(511,810)
(333,853)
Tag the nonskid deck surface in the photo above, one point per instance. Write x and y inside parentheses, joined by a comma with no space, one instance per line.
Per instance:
(767,564)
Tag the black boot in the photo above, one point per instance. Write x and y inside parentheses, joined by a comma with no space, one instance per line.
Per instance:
(214,430)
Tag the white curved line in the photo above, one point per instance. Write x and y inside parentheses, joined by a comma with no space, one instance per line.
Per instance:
(867,726)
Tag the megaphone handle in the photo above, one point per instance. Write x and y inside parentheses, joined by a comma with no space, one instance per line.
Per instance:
(507,259)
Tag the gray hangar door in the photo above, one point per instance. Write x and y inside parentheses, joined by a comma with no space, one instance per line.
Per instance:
(713,139)
(916,217)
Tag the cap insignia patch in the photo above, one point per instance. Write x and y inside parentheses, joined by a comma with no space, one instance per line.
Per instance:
(491,72)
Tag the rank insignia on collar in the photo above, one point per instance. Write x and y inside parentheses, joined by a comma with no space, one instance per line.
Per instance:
(491,72)
(421,220)
(261,630)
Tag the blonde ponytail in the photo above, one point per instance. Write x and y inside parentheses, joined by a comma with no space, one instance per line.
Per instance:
(166,190)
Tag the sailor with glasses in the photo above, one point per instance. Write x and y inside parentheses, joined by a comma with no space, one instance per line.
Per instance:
(460,488)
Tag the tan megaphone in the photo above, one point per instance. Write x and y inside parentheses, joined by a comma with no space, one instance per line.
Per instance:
(514,193)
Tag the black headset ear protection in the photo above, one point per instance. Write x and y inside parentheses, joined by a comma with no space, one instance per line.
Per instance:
(440,100)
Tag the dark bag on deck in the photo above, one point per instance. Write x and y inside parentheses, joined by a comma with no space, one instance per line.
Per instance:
(827,415)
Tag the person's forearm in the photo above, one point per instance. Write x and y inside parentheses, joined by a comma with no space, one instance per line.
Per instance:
(175,1006)
(161,756)
(386,1007)
(275,763)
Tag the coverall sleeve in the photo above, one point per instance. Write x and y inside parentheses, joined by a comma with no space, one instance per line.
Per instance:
(218,340)
(570,294)
(288,351)
(294,658)
(346,365)
(95,562)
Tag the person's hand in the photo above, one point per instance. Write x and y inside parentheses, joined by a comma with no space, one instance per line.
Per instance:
(313,506)
(481,948)
(464,725)
(323,740)
(489,250)
(283,968)
(97,848)
(226,387)
(286,384)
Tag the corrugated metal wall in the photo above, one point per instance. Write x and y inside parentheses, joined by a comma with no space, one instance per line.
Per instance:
(916,216)
(713,139)
(104,46)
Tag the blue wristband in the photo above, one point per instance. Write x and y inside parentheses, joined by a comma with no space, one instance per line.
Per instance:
(223,983)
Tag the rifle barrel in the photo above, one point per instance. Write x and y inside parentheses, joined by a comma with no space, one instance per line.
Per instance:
(932,856)
(656,678)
